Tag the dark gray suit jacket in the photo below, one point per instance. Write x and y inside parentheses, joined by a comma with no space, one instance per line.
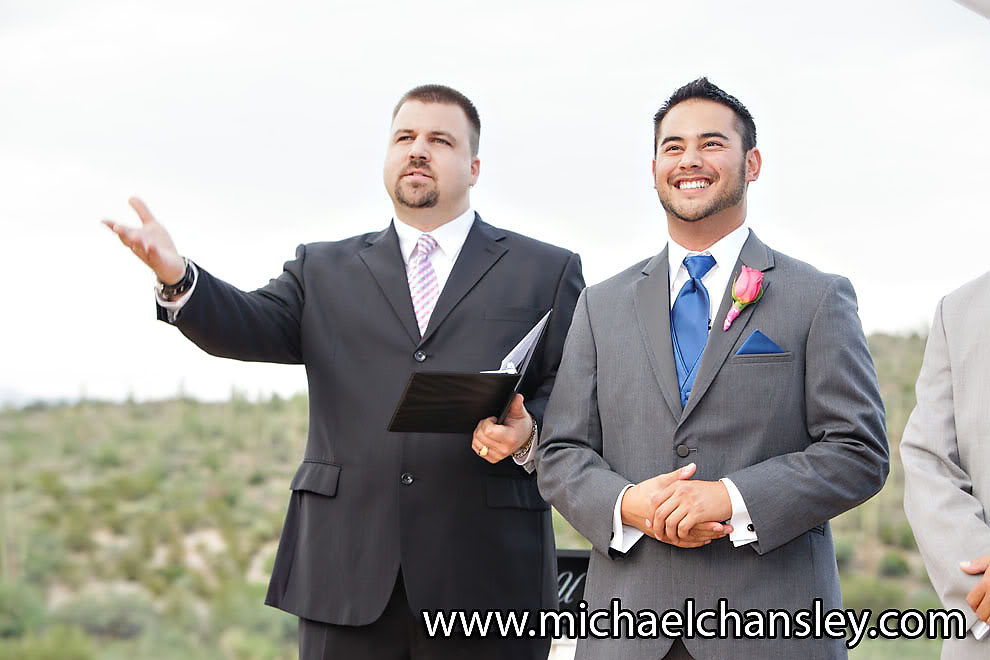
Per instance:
(466,533)
(800,433)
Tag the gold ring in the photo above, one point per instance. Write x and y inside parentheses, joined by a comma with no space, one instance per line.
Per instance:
(484,451)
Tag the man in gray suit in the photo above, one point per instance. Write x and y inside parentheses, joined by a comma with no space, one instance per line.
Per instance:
(946,454)
(664,424)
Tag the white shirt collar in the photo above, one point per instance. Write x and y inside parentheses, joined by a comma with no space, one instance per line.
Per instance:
(725,250)
(450,236)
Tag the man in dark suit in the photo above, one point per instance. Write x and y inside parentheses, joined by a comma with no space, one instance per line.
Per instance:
(382,525)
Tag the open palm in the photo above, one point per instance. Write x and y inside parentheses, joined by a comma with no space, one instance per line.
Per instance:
(151,243)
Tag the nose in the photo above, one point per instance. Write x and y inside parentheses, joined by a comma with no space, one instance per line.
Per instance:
(419,149)
(690,159)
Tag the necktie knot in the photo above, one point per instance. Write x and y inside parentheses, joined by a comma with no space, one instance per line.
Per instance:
(698,265)
(424,246)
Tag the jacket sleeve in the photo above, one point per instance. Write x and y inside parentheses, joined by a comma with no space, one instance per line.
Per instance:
(569,286)
(949,523)
(256,326)
(571,473)
(848,459)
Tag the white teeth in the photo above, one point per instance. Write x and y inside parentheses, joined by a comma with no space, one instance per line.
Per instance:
(688,185)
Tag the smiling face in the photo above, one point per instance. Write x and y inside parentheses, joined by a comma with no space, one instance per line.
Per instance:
(700,169)
(429,167)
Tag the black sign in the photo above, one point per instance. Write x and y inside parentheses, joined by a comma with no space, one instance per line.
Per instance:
(572,571)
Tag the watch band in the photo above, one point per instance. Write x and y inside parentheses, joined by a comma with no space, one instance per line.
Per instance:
(170,291)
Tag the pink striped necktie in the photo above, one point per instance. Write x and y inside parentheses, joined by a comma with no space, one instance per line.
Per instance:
(423,285)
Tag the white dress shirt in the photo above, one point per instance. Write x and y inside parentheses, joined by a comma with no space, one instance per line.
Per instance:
(450,239)
(725,251)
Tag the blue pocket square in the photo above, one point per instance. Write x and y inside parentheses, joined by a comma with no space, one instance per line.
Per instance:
(758,343)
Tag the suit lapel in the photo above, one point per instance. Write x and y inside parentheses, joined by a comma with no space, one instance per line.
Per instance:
(652,302)
(480,252)
(755,255)
(384,259)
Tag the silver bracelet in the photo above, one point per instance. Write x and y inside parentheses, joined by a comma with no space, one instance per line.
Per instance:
(520,453)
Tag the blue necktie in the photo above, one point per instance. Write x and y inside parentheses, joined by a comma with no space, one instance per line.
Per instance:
(689,323)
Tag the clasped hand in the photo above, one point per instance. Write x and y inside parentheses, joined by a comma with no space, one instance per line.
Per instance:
(673,509)
(979,596)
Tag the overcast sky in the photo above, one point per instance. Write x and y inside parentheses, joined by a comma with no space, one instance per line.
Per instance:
(250,127)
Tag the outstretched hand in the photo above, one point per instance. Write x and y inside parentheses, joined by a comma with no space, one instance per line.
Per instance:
(151,243)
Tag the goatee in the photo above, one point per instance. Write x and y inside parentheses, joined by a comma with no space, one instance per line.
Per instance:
(425,200)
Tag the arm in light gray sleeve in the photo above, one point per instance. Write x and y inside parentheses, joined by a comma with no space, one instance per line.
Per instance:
(949,523)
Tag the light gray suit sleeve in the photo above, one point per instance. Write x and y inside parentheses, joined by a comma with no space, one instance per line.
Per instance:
(847,461)
(949,523)
(570,469)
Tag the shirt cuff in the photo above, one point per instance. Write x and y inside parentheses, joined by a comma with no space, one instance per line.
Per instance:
(624,537)
(173,307)
(743,531)
(528,461)
(980,630)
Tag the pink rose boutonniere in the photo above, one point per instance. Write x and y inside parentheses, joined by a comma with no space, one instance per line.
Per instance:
(747,288)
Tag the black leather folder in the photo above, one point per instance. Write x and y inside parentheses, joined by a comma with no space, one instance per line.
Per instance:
(454,402)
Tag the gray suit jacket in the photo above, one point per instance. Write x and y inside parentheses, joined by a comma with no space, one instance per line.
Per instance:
(800,433)
(946,452)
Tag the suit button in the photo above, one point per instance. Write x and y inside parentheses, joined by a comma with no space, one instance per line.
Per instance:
(682,451)
(419,356)
(406,478)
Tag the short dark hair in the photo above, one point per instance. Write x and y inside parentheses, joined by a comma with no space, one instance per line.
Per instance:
(703,89)
(450,96)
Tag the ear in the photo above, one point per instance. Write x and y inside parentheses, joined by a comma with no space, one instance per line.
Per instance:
(654,173)
(754,161)
(475,169)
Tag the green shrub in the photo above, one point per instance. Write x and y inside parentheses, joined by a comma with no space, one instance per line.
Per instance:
(78,532)
(844,554)
(116,616)
(58,643)
(898,534)
(46,558)
(22,609)
(893,564)
(50,483)
(862,592)
(107,456)
(240,645)
(130,563)
(130,487)
(239,607)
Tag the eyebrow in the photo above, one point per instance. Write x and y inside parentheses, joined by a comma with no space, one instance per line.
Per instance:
(445,134)
(701,136)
